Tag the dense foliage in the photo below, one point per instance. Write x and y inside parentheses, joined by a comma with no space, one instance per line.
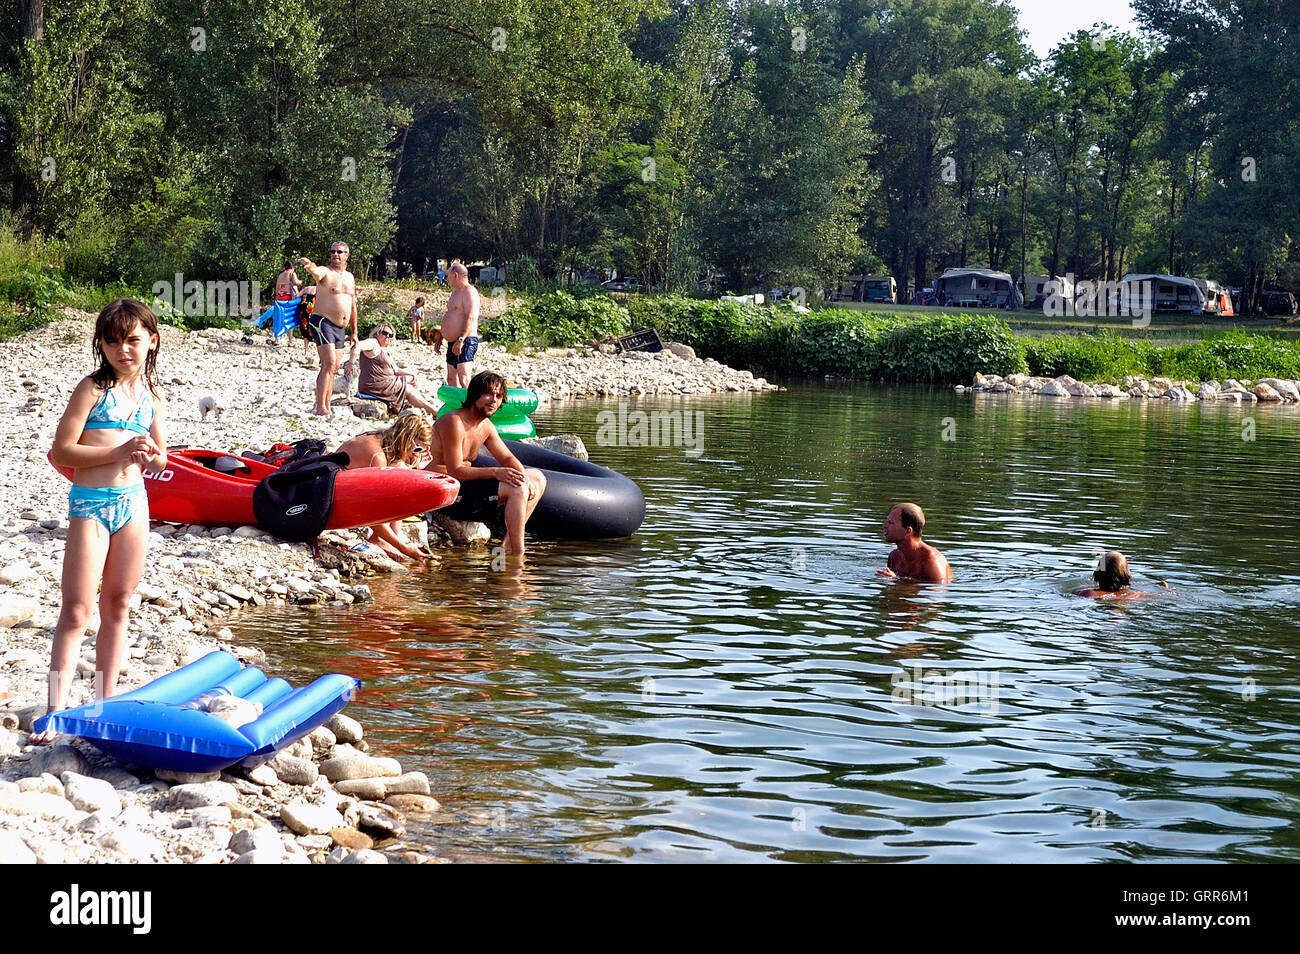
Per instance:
(787,142)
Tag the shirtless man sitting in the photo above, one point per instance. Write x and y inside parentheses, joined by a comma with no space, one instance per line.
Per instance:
(912,559)
(460,326)
(457,439)
(335,310)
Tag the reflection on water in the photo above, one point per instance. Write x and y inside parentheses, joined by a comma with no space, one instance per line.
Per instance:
(735,683)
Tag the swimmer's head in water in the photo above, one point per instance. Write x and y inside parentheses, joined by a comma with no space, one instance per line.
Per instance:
(1112,573)
(904,516)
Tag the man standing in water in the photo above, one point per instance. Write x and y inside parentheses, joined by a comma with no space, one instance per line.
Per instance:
(334,311)
(912,559)
(460,326)
(457,439)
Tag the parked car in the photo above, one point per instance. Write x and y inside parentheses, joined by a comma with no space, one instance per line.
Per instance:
(615,285)
(1278,303)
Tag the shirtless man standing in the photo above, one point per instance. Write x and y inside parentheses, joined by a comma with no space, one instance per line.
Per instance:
(913,559)
(457,439)
(335,310)
(460,326)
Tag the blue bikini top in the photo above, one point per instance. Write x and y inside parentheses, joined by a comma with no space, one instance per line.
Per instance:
(110,412)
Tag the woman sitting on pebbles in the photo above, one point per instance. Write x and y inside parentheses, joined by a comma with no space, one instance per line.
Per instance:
(404,444)
(379,377)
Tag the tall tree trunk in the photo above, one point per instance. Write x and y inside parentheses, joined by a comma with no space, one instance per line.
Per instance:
(31,25)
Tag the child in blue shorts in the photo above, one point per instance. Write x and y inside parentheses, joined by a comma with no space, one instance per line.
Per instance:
(111,431)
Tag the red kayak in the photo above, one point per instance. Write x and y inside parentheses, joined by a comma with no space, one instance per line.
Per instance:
(214,489)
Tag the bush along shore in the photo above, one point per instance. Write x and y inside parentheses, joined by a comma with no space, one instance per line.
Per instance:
(887,347)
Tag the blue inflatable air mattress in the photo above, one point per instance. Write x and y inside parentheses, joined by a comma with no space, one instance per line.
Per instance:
(159,725)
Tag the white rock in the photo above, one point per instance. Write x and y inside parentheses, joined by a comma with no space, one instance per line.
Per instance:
(293,770)
(1287,389)
(15,573)
(211,815)
(260,857)
(263,775)
(1266,393)
(366,856)
(345,728)
(264,840)
(202,794)
(359,766)
(412,783)
(15,609)
(132,845)
(13,850)
(90,794)
(308,819)
(1052,389)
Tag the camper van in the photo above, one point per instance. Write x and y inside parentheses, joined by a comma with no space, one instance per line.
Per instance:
(1217,300)
(977,288)
(1038,288)
(1173,294)
(881,288)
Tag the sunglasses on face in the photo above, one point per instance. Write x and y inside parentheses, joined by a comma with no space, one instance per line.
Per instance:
(338,251)
(386,334)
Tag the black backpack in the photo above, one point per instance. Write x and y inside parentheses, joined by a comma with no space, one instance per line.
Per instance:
(294,503)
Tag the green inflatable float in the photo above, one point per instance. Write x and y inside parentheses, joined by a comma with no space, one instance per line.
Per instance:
(511,419)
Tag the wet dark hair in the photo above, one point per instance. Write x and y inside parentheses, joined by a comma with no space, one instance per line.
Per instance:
(910,515)
(481,384)
(115,322)
(287,264)
(1114,574)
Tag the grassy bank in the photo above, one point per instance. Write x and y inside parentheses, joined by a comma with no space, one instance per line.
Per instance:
(894,346)
(874,343)
(1163,328)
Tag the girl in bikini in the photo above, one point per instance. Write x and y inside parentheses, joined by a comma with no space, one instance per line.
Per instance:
(113,428)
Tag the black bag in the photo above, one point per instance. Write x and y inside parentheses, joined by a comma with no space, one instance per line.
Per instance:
(295,502)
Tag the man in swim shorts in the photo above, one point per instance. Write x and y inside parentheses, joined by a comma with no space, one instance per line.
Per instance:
(912,559)
(460,326)
(457,439)
(333,318)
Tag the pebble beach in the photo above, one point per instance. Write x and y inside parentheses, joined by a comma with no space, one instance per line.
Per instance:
(325,799)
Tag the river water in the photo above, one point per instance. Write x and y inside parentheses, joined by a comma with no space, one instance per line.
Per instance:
(734,683)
